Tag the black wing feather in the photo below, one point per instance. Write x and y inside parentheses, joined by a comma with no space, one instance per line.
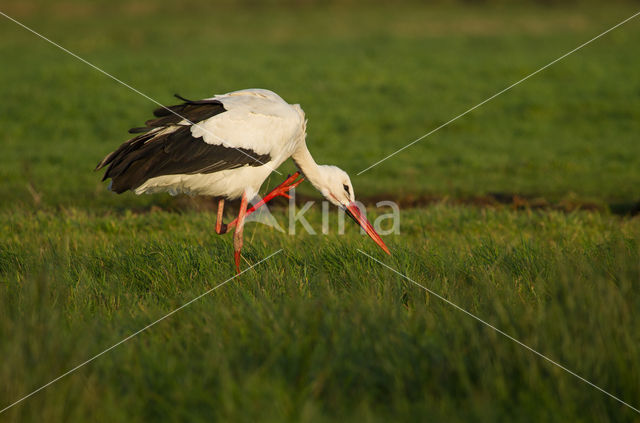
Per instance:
(173,152)
(193,111)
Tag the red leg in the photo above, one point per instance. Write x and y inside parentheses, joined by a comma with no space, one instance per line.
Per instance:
(280,190)
(221,228)
(237,235)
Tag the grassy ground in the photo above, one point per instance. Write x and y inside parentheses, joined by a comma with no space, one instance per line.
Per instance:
(320,332)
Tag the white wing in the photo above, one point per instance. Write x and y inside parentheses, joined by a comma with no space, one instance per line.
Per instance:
(254,119)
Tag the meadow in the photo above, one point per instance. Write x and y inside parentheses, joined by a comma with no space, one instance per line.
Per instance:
(523,212)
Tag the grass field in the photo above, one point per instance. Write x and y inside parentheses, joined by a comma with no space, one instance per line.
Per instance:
(320,332)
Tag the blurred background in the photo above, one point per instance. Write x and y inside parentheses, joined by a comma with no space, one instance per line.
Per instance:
(371,76)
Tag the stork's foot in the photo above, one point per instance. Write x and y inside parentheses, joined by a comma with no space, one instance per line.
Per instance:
(288,184)
(222,229)
(281,190)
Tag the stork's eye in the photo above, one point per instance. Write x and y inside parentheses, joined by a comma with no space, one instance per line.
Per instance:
(346,188)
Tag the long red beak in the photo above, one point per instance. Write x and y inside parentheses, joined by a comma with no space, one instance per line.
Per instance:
(354,212)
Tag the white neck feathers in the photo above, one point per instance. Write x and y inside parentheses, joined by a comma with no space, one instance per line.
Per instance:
(304,161)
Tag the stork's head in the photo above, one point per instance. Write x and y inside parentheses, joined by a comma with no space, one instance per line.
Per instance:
(335,185)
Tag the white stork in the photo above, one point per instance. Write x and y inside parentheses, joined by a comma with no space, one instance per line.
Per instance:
(226,146)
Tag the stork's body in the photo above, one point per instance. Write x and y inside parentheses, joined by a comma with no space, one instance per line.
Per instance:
(225,146)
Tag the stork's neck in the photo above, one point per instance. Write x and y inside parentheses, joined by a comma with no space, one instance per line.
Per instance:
(303,160)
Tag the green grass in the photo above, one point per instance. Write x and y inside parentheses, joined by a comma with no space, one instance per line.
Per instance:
(320,332)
